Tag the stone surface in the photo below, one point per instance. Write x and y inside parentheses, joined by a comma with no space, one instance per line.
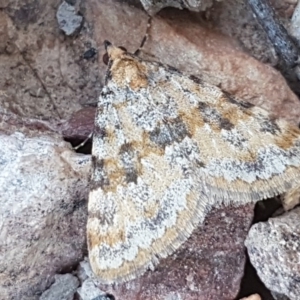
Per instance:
(252,297)
(295,23)
(89,284)
(273,248)
(232,15)
(64,288)
(68,19)
(77,127)
(291,198)
(208,266)
(43,188)
(153,6)
(44,74)
(278,296)
(284,8)
(89,290)
(80,124)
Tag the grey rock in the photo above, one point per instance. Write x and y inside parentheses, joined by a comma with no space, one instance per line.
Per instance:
(153,6)
(64,288)
(295,23)
(68,19)
(274,248)
(89,289)
(278,296)
(84,270)
(43,211)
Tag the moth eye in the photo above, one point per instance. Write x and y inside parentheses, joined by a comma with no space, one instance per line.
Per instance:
(105,58)
(123,48)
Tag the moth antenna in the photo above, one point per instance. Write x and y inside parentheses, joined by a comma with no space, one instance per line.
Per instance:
(145,38)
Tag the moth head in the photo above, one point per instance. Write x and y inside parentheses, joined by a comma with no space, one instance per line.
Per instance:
(112,52)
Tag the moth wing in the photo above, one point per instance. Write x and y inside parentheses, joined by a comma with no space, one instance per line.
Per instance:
(167,148)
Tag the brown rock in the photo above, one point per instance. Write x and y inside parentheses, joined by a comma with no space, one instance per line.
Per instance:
(10,123)
(43,74)
(80,125)
(208,266)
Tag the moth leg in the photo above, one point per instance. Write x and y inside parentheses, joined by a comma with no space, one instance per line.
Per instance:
(145,38)
(84,142)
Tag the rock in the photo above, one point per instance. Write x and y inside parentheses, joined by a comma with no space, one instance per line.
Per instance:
(278,296)
(232,15)
(284,8)
(291,198)
(43,209)
(252,297)
(64,288)
(4,35)
(44,74)
(89,54)
(153,6)
(295,24)
(68,19)
(273,248)
(77,127)
(89,289)
(80,124)
(209,265)
(84,271)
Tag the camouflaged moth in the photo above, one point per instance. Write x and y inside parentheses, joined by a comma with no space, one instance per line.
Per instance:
(167,148)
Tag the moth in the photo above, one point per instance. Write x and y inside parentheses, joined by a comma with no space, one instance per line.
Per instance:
(167,148)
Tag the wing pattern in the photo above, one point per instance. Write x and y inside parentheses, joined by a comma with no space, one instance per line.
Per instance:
(167,148)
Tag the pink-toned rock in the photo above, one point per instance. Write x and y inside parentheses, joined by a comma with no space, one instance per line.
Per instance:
(10,123)
(80,125)
(77,127)
(43,74)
